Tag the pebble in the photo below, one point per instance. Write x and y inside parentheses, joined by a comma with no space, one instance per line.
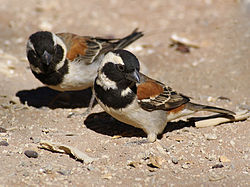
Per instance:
(217,166)
(2,130)
(26,174)
(210,136)
(64,172)
(90,168)
(175,160)
(224,159)
(31,154)
(211,157)
(35,140)
(185,166)
(4,143)
(232,143)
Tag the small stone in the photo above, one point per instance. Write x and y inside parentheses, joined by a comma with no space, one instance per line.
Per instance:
(64,172)
(211,157)
(35,140)
(90,168)
(224,159)
(31,154)
(2,130)
(232,143)
(133,164)
(175,160)
(4,143)
(185,166)
(216,177)
(107,176)
(211,99)
(156,161)
(26,174)
(210,136)
(217,166)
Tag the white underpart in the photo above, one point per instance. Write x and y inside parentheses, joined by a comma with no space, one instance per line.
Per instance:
(81,76)
(58,41)
(151,122)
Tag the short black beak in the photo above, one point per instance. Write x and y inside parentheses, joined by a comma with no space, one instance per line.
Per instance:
(133,76)
(47,58)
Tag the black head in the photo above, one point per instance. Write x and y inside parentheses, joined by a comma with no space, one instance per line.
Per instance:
(45,52)
(120,67)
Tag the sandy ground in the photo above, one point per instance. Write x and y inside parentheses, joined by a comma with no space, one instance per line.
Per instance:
(184,155)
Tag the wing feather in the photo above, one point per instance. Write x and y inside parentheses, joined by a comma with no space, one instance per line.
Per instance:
(153,95)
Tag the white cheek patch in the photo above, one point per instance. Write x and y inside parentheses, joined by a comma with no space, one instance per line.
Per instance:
(105,82)
(59,41)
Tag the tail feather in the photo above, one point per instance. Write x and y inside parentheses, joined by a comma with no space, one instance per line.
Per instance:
(198,107)
(124,42)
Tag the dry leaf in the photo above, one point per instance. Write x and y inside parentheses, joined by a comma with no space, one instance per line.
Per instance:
(61,148)
(216,177)
(107,176)
(177,138)
(134,164)
(156,161)
(116,137)
(224,159)
(183,41)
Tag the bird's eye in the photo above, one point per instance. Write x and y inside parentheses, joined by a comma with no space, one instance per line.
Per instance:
(120,67)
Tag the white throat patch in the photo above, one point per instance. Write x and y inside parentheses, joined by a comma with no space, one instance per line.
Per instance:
(125,92)
(103,81)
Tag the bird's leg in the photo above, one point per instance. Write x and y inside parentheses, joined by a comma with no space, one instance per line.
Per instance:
(151,137)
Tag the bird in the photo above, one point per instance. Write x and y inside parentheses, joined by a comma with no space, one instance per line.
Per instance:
(138,100)
(69,62)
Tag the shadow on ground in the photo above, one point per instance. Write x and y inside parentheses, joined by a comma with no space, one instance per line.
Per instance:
(46,97)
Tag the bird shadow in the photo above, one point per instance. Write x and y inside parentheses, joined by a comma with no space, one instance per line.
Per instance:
(46,97)
(105,124)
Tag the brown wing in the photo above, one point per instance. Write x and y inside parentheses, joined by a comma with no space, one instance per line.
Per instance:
(87,48)
(83,47)
(153,95)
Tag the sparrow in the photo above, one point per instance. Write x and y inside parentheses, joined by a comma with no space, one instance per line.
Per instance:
(135,99)
(69,62)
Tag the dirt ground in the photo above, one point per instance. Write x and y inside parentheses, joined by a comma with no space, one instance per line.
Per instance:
(217,73)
